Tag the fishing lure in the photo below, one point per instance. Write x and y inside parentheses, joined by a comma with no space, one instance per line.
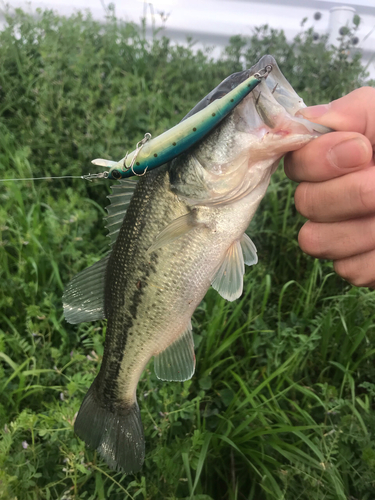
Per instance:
(151,153)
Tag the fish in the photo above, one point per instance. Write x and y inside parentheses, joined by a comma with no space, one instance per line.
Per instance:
(151,153)
(174,233)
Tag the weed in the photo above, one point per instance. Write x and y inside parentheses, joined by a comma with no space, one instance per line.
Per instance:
(282,403)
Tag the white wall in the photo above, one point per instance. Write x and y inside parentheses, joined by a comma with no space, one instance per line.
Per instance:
(212,22)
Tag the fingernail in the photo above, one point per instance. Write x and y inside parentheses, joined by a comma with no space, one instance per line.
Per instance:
(314,111)
(348,154)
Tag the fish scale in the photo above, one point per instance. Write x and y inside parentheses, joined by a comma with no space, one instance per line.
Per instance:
(128,265)
(183,231)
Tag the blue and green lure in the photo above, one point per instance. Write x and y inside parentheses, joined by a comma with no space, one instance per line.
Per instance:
(151,153)
(209,112)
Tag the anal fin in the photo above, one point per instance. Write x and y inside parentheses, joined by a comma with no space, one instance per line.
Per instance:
(177,361)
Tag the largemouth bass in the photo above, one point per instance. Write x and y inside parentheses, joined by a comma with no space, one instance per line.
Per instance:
(182,232)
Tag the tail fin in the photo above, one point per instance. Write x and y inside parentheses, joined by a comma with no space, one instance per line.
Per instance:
(118,437)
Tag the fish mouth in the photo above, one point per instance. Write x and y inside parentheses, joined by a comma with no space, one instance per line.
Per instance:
(278,85)
(274,92)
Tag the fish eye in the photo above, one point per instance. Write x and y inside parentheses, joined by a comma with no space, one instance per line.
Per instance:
(116,174)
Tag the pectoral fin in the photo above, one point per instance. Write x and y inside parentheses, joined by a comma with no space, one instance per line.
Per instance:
(249,251)
(228,280)
(177,228)
(177,361)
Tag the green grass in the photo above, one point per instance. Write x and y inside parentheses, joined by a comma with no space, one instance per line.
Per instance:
(282,403)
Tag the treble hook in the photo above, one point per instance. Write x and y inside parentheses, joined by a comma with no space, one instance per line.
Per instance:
(139,146)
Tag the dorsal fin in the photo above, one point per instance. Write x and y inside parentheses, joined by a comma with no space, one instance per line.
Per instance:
(83,298)
(177,361)
(120,199)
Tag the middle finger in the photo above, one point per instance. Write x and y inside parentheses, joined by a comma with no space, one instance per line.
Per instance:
(342,198)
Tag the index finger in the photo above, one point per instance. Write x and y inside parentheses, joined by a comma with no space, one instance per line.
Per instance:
(353,112)
(329,156)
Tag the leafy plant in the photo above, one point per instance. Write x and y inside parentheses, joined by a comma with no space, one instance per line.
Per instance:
(282,403)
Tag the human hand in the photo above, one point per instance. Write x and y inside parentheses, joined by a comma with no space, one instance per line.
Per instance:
(337,186)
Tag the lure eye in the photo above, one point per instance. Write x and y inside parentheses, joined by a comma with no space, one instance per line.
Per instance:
(116,174)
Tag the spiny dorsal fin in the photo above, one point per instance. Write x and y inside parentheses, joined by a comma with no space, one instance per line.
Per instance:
(177,228)
(83,298)
(177,361)
(228,280)
(120,199)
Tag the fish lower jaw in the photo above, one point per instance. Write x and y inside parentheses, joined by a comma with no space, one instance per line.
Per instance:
(278,142)
(284,126)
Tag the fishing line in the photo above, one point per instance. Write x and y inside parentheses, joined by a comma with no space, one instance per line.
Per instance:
(46,178)
(116,174)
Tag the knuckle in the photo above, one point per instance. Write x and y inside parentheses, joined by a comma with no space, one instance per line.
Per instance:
(365,192)
(310,241)
(288,164)
(347,269)
(294,165)
(370,232)
(302,200)
(368,93)
(343,268)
